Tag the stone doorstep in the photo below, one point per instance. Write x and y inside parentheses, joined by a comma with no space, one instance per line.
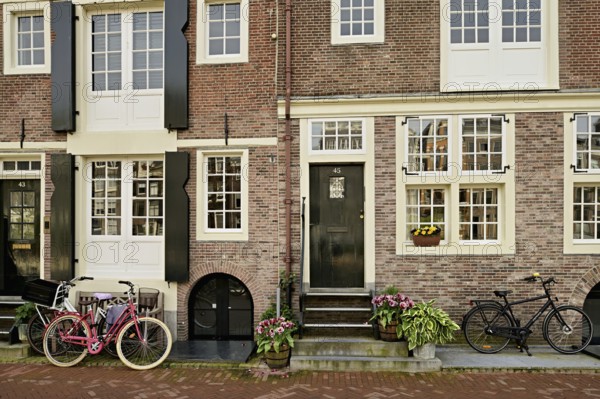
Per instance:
(360,347)
(357,354)
(16,351)
(359,363)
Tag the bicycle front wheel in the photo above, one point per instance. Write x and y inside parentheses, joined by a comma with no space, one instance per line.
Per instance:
(56,349)
(479,324)
(568,329)
(144,344)
(36,329)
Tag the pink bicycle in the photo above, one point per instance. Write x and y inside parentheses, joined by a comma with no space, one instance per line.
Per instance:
(142,343)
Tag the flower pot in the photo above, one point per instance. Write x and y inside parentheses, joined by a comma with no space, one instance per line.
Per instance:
(278,360)
(426,351)
(388,333)
(22,329)
(426,241)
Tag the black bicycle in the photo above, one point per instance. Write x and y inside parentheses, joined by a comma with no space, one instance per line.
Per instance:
(490,325)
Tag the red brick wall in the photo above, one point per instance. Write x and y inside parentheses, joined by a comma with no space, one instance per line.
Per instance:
(408,61)
(579,44)
(539,236)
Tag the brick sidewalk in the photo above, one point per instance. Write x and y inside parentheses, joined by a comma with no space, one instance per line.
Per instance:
(48,382)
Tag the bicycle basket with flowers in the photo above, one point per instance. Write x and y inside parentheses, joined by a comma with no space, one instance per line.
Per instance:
(274,334)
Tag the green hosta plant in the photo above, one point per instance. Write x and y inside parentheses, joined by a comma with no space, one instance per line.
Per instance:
(424,323)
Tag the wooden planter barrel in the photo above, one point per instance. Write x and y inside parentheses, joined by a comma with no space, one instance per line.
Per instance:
(278,360)
(388,333)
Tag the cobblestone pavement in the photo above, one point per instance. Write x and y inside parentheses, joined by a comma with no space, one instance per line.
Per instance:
(42,381)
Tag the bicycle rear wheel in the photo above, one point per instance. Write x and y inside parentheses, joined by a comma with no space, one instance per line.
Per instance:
(36,328)
(568,329)
(59,352)
(477,325)
(146,349)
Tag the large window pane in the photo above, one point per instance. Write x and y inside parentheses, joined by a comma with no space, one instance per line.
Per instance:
(223,192)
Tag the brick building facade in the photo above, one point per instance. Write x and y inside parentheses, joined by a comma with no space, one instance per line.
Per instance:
(394,123)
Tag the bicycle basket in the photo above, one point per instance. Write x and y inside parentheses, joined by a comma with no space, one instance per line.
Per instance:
(40,291)
(147,298)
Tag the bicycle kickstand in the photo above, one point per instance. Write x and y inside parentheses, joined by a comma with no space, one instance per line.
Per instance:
(524,347)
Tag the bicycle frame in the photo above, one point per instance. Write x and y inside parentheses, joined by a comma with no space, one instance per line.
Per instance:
(96,343)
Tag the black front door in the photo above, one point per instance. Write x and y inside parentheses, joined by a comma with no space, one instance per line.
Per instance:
(220,308)
(19,235)
(336,226)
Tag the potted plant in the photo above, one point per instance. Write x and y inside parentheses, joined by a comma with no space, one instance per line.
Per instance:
(274,338)
(22,315)
(426,236)
(424,326)
(387,310)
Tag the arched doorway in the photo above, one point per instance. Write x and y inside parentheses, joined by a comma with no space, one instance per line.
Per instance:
(591,306)
(220,308)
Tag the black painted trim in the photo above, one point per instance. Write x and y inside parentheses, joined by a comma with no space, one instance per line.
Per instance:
(62,217)
(177,217)
(176,64)
(63,66)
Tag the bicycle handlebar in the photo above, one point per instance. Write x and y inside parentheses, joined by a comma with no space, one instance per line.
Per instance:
(536,276)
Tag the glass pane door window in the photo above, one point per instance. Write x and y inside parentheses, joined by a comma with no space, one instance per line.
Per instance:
(127,51)
(127,198)
(22,216)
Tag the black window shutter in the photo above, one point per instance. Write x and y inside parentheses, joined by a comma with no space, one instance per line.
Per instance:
(63,66)
(62,217)
(176,65)
(177,217)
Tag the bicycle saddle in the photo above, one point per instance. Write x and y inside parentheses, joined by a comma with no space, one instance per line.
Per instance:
(502,294)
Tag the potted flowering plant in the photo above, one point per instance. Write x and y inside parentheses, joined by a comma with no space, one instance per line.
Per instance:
(426,236)
(387,309)
(274,337)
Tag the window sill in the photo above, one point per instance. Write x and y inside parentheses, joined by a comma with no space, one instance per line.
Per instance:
(407,248)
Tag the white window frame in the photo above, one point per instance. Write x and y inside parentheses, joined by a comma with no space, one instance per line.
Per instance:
(442,225)
(348,151)
(453,180)
(136,256)
(202,56)
(574,177)
(589,169)
(476,150)
(410,165)
(128,109)
(203,233)
(498,205)
(596,204)
(378,35)
(12,12)
(455,77)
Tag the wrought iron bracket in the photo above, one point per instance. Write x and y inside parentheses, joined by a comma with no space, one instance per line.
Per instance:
(407,173)
(575,170)
(503,171)
(503,117)
(576,114)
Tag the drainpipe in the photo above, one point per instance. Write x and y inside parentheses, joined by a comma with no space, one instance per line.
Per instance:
(288,145)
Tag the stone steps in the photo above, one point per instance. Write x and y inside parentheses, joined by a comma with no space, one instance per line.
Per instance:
(357,354)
